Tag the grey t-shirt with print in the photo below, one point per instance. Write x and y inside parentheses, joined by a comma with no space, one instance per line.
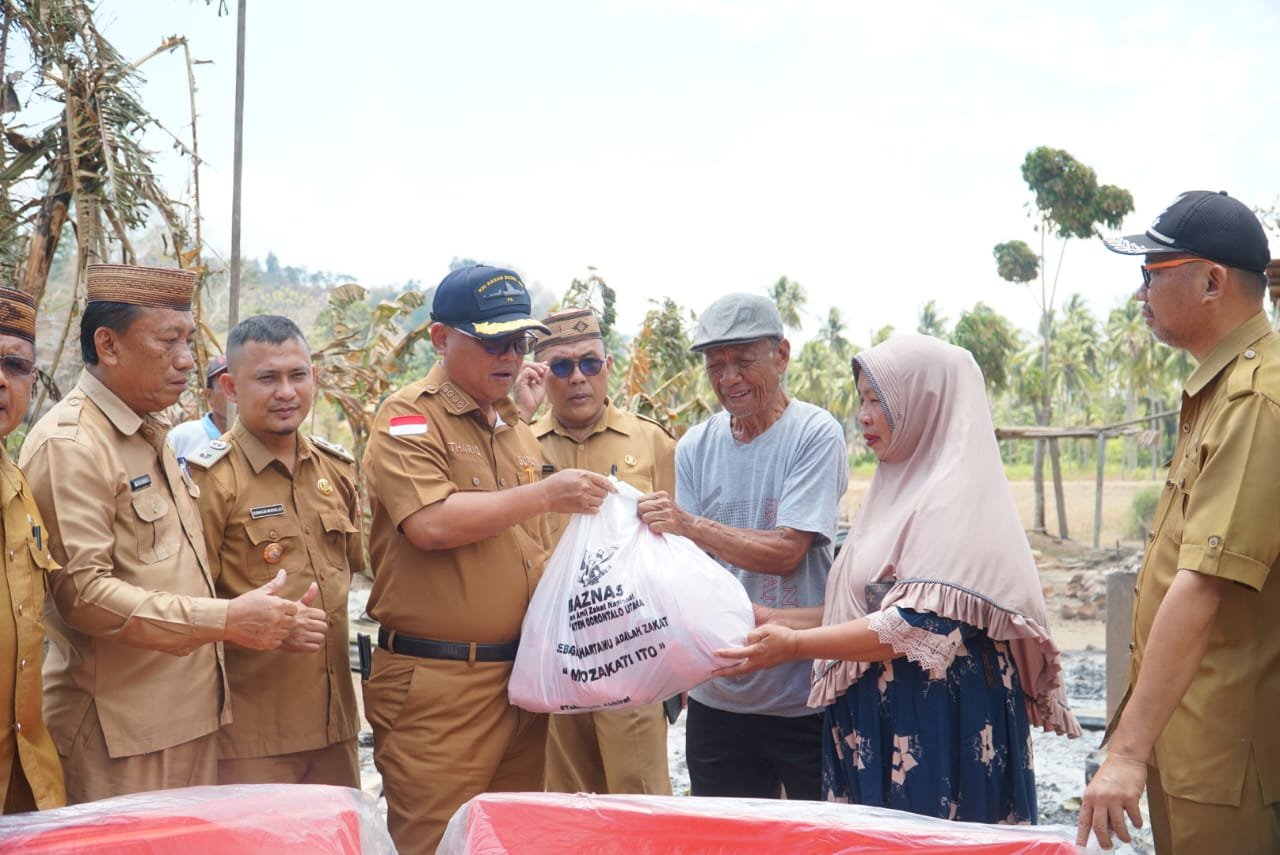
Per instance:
(791,476)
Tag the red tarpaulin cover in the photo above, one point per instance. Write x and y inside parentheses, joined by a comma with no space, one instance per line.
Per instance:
(235,820)
(532,823)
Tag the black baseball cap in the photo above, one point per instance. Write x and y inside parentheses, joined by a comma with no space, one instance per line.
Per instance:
(486,302)
(1211,225)
(217,365)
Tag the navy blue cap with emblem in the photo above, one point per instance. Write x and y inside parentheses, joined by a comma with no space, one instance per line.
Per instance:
(486,302)
(1207,224)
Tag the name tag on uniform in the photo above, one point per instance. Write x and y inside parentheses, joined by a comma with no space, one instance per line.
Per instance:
(266,511)
(138,483)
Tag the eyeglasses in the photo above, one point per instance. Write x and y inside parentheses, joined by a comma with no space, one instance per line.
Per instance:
(589,365)
(521,343)
(1162,265)
(17,366)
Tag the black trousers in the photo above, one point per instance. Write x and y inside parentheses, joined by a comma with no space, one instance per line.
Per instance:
(753,756)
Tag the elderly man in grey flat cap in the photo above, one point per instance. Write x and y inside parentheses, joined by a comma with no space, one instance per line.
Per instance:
(758,487)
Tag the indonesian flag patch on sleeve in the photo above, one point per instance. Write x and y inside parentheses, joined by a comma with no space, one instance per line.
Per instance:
(408,425)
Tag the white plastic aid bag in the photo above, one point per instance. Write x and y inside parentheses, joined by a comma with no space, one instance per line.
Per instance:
(624,617)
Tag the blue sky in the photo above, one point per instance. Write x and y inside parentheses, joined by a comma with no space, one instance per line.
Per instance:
(689,148)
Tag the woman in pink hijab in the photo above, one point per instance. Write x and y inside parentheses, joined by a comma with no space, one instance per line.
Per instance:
(932,652)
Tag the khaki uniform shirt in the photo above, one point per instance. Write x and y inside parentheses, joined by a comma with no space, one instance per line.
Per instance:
(24,740)
(641,449)
(136,619)
(251,508)
(477,592)
(1218,516)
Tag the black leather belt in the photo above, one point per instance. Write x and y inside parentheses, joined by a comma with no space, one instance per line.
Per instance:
(428,648)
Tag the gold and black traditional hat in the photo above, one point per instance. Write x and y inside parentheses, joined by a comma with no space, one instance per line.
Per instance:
(568,327)
(17,314)
(154,287)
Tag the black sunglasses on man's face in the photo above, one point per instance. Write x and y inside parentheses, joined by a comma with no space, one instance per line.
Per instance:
(589,365)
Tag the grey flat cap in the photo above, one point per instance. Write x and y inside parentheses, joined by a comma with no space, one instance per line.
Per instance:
(737,319)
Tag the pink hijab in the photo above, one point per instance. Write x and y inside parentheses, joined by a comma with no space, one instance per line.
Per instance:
(939,526)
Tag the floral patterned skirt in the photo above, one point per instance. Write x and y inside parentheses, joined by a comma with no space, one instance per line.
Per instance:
(956,747)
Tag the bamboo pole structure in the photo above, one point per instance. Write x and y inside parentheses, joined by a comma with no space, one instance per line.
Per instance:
(233,309)
(1051,434)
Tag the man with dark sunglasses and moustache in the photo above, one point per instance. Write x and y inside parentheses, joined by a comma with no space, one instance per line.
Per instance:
(607,751)
(457,543)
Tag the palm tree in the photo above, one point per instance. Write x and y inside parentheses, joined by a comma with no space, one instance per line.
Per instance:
(1077,373)
(790,298)
(832,335)
(1131,349)
(931,321)
(1078,357)
(817,375)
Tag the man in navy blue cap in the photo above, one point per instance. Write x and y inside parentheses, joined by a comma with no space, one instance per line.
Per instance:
(1195,726)
(457,545)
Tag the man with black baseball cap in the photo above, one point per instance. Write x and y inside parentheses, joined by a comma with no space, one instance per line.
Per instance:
(192,437)
(1193,727)
(457,544)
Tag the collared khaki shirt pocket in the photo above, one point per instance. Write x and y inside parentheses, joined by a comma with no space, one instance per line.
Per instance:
(41,560)
(272,537)
(641,480)
(474,475)
(1183,480)
(156,528)
(338,530)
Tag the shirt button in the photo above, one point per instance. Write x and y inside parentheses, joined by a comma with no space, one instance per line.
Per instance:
(1186,427)
(22,664)
(528,563)
(272,534)
(17,725)
(1215,541)
(1250,354)
(1131,648)
(475,482)
(502,482)
(19,608)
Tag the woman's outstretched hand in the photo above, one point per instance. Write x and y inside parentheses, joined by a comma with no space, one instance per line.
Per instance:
(767,645)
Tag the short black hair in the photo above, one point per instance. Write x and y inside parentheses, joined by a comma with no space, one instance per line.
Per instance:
(117,317)
(267,329)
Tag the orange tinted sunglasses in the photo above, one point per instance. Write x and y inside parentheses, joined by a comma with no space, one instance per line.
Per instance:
(1161,265)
